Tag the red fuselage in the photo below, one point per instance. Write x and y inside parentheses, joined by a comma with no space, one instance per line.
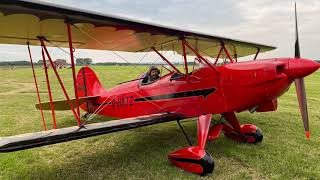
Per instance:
(236,87)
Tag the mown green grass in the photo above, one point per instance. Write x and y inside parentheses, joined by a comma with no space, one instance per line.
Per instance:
(5,88)
(142,153)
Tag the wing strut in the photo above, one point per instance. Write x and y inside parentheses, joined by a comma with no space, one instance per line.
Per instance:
(166,60)
(44,48)
(184,54)
(199,56)
(37,89)
(227,52)
(73,69)
(49,90)
(217,58)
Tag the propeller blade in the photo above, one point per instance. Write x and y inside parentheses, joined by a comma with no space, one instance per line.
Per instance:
(299,83)
(302,99)
(296,46)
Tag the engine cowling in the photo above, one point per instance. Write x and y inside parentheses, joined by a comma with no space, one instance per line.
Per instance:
(270,106)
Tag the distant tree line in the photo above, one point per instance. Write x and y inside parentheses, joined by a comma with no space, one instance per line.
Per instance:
(79,62)
(83,61)
(15,63)
(123,64)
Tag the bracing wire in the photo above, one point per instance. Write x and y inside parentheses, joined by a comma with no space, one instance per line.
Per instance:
(101,106)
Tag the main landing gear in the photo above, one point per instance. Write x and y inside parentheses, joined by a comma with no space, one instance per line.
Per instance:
(246,133)
(196,159)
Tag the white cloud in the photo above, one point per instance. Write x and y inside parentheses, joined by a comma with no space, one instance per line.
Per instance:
(265,21)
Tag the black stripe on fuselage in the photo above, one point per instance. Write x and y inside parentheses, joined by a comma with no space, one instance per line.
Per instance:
(201,92)
(118,101)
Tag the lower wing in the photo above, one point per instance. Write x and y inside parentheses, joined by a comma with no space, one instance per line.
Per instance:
(31,140)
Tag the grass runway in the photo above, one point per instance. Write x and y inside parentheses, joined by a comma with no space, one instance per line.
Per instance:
(142,153)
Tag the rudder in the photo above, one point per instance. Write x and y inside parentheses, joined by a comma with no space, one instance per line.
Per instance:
(88,83)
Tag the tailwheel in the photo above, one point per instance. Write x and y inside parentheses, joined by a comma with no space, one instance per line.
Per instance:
(192,159)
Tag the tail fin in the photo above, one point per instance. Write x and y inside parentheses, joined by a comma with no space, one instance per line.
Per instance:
(88,83)
(89,89)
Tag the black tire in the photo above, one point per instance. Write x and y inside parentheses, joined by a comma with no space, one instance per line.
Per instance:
(258,136)
(207,164)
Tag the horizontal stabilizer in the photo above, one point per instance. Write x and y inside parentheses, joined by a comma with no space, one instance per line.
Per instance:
(63,104)
(31,140)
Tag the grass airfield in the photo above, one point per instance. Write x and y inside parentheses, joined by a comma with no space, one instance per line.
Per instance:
(142,153)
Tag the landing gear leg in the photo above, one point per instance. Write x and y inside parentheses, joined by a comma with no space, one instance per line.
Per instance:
(247,133)
(195,159)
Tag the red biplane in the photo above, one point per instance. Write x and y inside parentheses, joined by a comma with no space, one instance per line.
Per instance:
(180,94)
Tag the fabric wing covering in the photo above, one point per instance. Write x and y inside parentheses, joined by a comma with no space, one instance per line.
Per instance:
(31,140)
(22,21)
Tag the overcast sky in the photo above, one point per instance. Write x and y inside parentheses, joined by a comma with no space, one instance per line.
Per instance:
(269,22)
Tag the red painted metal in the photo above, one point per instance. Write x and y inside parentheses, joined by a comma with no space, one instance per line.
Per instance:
(242,133)
(218,56)
(204,122)
(232,120)
(49,90)
(227,52)
(73,67)
(184,54)
(194,153)
(192,159)
(195,159)
(258,82)
(215,132)
(188,166)
(166,60)
(271,106)
(61,83)
(37,89)
(248,128)
(298,68)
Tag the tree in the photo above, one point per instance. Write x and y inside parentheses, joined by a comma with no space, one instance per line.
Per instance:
(87,61)
(15,63)
(83,61)
(40,62)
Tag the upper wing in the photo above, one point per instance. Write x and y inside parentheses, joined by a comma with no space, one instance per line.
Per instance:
(24,20)
(31,140)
